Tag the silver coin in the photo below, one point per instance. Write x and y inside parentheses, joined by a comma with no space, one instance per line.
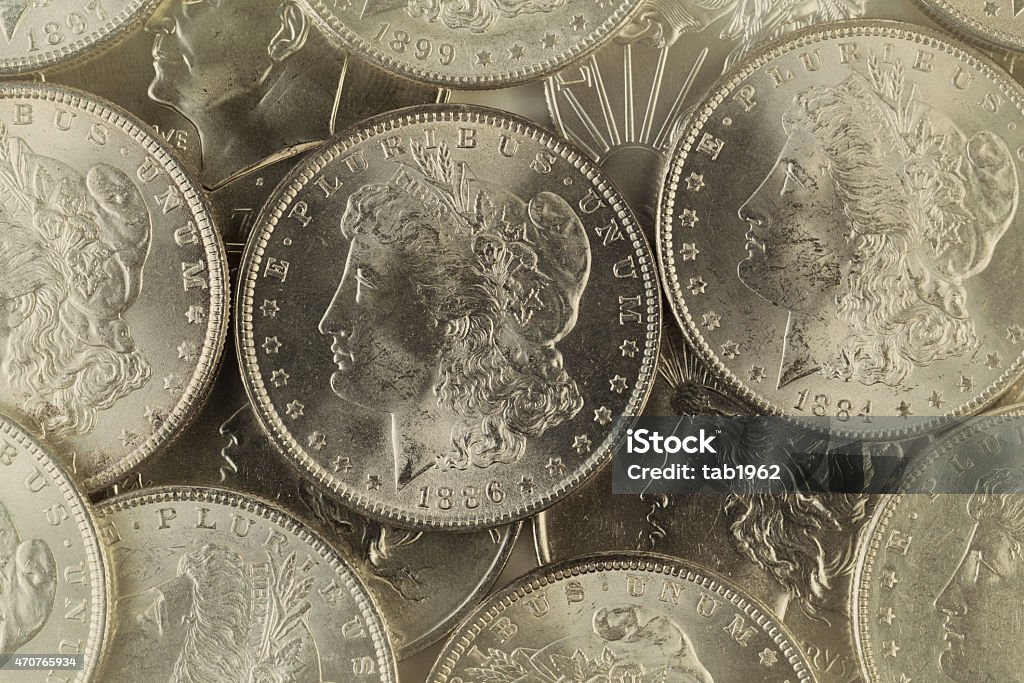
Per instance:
(114,282)
(629,617)
(487,44)
(625,104)
(53,572)
(214,586)
(458,304)
(847,270)
(238,118)
(423,582)
(794,553)
(996,21)
(40,34)
(938,578)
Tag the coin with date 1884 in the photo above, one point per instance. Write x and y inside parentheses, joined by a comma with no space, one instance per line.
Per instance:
(835,227)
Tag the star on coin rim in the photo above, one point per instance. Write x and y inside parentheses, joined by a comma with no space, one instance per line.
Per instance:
(946,13)
(88,44)
(874,536)
(200,381)
(462,639)
(673,275)
(579,48)
(245,306)
(85,518)
(368,610)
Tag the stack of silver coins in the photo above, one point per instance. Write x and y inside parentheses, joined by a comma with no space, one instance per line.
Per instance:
(319,320)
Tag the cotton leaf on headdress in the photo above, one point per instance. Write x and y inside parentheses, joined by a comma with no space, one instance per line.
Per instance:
(501,667)
(23,268)
(280,647)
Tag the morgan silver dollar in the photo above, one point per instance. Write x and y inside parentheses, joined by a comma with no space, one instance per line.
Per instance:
(939,575)
(113,282)
(54,581)
(423,581)
(996,21)
(840,224)
(480,44)
(214,586)
(38,34)
(631,617)
(442,313)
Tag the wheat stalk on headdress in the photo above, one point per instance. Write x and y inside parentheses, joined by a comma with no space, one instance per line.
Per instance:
(9,179)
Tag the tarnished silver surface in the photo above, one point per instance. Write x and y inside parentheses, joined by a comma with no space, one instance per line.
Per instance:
(37,34)
(54,579)
(850,269)
(494,307)
(624,104)
(485,44)
(215,586)
(938,579)
(423,582)
(620,617)
(112,279)
(996,21)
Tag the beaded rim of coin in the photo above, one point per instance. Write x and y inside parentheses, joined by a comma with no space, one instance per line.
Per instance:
(201,383)
(461,640)
(269,218)
(87,46)
(872,540)
(364,48)
(673,178)
(483,589)
(263,509)
(946,12)
(85,516)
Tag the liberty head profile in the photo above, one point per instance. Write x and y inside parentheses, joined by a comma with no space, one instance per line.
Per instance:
(72,252)
(256,78)
(875,216)
(454,297)
(981,602)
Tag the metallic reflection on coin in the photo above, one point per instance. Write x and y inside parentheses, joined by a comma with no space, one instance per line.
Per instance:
(848,270)
(628,617)
(485,44)
(214,586)
(39,34)
(938,582)
(625,103)
(54,582)
(239,89)
(794,553)
(456,305)
(423,582)
(996,21)
(112,279)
